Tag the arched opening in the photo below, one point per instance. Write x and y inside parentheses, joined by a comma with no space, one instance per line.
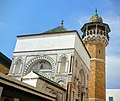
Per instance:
(40,66)
(82,77)
(63,65)
(82,85)
(62,83)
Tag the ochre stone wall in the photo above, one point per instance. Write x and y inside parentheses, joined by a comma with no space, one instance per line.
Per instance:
(100,80)
(97,83)
(97,80)
(4,69)
(96,50)
(91,88)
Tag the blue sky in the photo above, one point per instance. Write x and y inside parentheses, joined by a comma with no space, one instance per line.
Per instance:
(18,17)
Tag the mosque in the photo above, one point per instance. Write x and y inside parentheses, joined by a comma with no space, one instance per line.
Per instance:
(59,65)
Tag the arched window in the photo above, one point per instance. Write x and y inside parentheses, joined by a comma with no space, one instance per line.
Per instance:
(17,67)
(41,65)
(63,65)
(82,77)
(82,81)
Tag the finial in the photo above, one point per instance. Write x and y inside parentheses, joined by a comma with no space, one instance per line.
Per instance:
(95,13)
(96,10)
(62,22)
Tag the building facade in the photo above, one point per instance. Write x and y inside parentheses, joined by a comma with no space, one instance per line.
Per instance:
(57,54)
(112,94)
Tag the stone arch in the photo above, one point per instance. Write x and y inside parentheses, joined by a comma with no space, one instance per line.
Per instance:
(61,80)
(39,58)
(17,65)
(82,85)
(18,58)
(82,77)
(63,64)
(64,55)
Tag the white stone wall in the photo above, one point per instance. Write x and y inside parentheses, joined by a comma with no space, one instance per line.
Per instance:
(115,93)
(31,82)
(45,42)
(82,51)
(52,47)
(52,42)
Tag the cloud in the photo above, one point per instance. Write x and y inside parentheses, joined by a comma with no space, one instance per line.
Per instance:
(113,52)
(113,71)
(114,43)
(108,3)
(114,22)
(83,20)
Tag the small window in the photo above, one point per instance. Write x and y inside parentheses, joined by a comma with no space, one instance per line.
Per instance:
(110,98)
(99,51)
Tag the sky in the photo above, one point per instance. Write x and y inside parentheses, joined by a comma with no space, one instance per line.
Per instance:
(21,17)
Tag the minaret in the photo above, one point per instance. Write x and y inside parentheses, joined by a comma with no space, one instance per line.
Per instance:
(96,38)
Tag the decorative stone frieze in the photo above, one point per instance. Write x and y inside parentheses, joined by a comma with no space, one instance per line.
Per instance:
(95,39)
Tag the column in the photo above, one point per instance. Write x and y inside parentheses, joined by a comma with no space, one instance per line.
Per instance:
(58,68)
(71,64)
(66,68)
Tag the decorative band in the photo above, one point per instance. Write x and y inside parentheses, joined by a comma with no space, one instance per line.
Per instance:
(97,59)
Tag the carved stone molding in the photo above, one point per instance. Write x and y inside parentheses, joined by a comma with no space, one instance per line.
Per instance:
(63,55)
(95,39)
(58,95)
(61,79)
(79,91)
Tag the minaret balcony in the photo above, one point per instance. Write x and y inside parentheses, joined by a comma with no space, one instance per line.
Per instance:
(92,32)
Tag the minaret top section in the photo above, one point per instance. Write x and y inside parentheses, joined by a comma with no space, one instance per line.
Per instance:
(95,31)
(96,18)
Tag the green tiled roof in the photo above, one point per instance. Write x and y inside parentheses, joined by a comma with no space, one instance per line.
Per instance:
(57,29)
